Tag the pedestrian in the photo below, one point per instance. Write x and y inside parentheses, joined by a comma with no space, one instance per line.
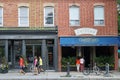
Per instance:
(22,65)
(40,65)
(35,65)
(82,61)
(78,63)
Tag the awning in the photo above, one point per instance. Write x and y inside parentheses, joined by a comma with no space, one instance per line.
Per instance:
(89,41)
(119,40)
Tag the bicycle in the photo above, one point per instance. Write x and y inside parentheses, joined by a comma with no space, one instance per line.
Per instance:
(95,69)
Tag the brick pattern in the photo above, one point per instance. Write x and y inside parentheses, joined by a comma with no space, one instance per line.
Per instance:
(36,10)
(87,17)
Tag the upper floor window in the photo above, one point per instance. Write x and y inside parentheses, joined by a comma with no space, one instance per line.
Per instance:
(74,16)
(99,15)
(1,16)
(23,16)
(49,16)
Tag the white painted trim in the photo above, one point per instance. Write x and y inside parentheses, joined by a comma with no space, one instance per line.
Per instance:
(21,25)
(48,25)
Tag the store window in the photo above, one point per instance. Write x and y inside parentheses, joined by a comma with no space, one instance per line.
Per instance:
(23,16)
(99,15)
(49,16)
(74,16)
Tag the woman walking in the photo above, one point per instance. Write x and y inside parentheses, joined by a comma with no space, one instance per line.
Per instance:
(22,65)
(78,64)
(35,65)
(40,65)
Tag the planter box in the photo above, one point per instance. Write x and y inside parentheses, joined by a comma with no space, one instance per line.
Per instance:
(4,70)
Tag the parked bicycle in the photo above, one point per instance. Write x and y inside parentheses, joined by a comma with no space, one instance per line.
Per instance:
(95,69)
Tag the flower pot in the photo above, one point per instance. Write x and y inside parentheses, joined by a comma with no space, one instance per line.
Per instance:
(5,70)
(1,70)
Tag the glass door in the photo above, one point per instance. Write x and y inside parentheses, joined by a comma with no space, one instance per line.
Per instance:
(50,58)
(31,51)
(17,48)
(14,52)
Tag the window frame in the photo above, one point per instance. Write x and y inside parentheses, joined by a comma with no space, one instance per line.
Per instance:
(19,17)
(77,7)
(49,25)
(101,22)
(1,25)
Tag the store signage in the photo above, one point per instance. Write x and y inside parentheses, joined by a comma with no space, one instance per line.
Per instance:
(88,40)
(81,31)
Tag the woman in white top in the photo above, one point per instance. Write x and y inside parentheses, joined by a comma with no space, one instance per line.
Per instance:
(82,64)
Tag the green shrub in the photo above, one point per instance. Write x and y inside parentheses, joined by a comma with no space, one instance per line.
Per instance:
(102,60)
(71,60)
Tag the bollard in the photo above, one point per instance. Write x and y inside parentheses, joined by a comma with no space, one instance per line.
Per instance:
(68,69)
(107,70)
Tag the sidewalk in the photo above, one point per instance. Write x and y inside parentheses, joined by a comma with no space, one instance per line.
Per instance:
(58,76)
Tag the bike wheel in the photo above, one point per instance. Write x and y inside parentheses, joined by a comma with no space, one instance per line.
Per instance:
(96,70)
(86,71)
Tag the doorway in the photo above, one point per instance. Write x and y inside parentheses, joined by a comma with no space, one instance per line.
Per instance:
(49,58)
(86,53)
(14,52)
(31,51)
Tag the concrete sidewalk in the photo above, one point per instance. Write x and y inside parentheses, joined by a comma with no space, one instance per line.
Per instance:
(58,76)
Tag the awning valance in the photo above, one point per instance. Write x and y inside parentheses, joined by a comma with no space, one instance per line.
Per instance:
(88,41)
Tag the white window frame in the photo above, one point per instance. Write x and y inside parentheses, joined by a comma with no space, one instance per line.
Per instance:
(48,25)
(1,25)
(76,22)
(101,20)
(19,17)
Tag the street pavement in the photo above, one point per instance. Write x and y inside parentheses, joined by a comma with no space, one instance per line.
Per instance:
(50,75)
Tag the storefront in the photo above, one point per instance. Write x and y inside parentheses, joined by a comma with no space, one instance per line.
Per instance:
(29,43)
(90,47)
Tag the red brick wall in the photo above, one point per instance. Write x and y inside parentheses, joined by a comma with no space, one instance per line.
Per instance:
(62,15)
(36,11)
(87,17)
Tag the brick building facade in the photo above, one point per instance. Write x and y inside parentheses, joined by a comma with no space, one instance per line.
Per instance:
(28,27)
(78,39)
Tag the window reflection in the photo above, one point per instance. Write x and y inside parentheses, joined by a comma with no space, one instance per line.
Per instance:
(49,17)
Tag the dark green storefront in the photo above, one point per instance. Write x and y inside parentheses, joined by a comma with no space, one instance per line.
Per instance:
(29,43)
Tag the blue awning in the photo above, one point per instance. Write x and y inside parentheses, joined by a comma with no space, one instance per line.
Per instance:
(89,41)
(119,40)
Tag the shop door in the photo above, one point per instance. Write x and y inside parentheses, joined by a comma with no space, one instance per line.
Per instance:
(86,55)
(14,52)
(50,58)
(31,51)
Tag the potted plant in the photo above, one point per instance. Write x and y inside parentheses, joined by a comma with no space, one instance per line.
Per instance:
(3,65)
(102,60)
